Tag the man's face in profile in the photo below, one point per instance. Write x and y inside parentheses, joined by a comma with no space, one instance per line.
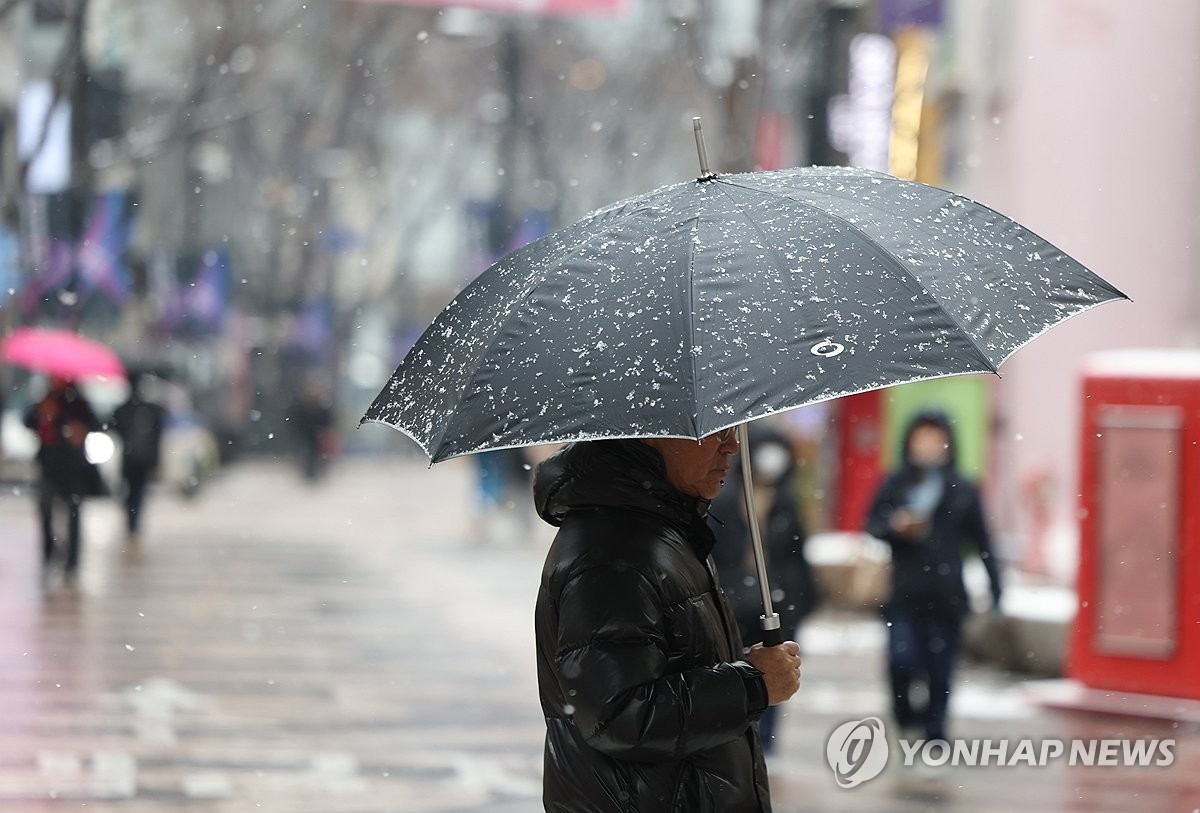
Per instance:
(697,468)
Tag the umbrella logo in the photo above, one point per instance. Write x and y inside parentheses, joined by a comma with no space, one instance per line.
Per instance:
(857,751)
(828,349)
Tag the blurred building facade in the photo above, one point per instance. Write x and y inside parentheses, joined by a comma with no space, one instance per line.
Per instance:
(1076,118)
(1081,120)
(280,189)
(276,189)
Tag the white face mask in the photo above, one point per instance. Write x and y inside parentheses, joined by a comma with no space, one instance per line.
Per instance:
(770,461)
(930,462)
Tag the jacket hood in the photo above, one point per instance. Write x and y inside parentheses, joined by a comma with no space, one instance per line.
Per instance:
(928,417)
(610,473)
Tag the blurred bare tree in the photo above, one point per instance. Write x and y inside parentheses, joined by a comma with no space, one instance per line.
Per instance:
(340,151)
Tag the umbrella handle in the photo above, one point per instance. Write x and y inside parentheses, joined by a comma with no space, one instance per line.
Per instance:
(772,634)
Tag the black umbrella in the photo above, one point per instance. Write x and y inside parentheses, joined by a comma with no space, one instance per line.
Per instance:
(706,304)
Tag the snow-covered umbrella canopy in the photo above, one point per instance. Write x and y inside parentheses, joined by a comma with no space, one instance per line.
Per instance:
(705,304)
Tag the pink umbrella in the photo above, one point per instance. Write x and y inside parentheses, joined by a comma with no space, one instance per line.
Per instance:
(60,353)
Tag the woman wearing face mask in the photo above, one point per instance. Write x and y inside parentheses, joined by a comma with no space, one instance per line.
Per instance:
(926,511)
(780,519)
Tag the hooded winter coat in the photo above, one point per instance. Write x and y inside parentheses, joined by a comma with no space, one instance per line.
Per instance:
(647,702)
(783,536)
(927,574)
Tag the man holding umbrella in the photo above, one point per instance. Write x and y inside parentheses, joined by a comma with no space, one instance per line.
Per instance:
(675,316)
(648,695)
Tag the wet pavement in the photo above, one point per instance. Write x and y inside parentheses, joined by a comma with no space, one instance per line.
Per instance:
(360,647)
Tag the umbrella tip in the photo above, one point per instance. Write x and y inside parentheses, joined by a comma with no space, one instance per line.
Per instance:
(705,172)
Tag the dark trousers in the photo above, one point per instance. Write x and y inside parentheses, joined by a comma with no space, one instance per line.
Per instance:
(922,648)
(136,481)
(46,500)
(313,462)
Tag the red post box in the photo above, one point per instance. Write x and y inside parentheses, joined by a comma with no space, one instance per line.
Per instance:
(1138,624)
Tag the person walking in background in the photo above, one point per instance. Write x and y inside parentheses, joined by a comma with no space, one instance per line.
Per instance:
(503,480)
(139,423)
(783,533)
(62,420)
(492,470)
(926,511)
(311,419)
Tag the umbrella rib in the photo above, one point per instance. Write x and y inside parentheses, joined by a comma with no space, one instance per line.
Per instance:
(933,236)
(642,200)
(864,239)
(750,221)
(1047,328)
(557,263)
(691,320)
(865,173)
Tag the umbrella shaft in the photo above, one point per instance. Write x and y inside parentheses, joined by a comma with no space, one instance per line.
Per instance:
(700,151)
(769,615)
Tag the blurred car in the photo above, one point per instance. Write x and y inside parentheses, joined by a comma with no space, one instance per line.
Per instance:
(189,448)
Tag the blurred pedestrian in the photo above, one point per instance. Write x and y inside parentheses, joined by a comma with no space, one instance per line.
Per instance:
(311,419)
(503,479)
(139,422)
(927,511)
(62,420)
(779,519)
(648,698)
(493,472)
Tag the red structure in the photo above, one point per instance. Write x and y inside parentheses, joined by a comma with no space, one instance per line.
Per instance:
(860,432)
(1138,624)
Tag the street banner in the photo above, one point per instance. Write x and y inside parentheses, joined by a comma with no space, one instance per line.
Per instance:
(547,8)
(44,138)
(199,304)
(100,254)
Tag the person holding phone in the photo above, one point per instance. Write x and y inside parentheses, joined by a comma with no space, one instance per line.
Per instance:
(927,511)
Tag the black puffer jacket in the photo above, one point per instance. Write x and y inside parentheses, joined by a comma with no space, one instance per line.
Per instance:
(648,706)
